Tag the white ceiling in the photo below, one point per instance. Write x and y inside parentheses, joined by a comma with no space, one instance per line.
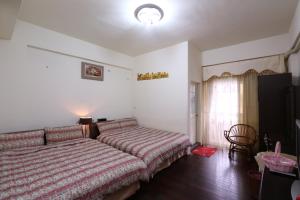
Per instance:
(207,23)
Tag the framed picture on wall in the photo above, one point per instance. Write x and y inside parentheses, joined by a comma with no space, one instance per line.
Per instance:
(92,71)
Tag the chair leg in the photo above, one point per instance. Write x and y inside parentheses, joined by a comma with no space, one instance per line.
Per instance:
(230,151)
(250,152)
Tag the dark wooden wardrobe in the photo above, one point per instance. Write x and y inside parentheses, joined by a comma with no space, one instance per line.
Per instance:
(277,111)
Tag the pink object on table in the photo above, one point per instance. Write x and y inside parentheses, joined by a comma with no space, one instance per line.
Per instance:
(276,162)
(277,148)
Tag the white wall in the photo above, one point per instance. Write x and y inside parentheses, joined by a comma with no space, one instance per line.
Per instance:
(41,89)
(258,48)
(294,67)
(163,103)
(253,49)
(26,33)
(294,59)
(295,25)
(194,63)
(8,15)
(194,75)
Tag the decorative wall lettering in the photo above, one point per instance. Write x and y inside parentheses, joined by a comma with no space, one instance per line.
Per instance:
(151,76)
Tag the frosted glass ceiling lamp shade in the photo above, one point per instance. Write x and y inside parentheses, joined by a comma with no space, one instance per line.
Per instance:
(149,14)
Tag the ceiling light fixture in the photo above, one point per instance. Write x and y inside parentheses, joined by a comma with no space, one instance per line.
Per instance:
(149,14)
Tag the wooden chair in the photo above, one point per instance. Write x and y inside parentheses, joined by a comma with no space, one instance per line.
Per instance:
(242,137)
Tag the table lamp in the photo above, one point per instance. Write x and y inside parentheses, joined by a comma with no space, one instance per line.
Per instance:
(85,122)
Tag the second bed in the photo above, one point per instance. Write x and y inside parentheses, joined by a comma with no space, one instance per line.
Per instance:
(157,148)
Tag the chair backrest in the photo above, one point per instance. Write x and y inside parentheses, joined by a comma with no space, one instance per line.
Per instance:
(242,133)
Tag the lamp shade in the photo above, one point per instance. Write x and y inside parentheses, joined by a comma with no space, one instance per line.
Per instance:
(85,120)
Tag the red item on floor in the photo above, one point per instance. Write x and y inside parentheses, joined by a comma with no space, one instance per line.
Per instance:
(204,151)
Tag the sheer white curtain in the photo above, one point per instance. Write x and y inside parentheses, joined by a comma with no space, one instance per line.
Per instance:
(226,101)
(220,109)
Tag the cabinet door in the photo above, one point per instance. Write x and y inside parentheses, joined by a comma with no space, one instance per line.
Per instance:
(275,186)
(275,108)
(297,102)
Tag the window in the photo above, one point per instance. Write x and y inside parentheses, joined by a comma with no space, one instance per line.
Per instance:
(223,109)
(228,101)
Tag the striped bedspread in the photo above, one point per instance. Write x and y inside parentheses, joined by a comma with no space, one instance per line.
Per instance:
(151,145)
(74,169)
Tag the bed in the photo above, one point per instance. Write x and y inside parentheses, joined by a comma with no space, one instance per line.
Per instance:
(157,148)
(73,169)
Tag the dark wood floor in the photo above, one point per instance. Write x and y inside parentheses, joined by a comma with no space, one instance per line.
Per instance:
(193,177)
